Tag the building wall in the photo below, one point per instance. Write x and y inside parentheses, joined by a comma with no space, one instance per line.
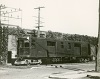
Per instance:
(12,45)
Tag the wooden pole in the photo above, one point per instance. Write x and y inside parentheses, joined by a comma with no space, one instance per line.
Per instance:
(38,35)
(98,46)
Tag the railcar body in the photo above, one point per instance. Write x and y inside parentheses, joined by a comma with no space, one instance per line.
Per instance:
(53,51)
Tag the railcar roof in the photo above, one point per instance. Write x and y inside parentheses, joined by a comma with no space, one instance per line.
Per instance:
(51,39)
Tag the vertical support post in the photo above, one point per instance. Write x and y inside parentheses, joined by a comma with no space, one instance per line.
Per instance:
(0,37)
(98,47)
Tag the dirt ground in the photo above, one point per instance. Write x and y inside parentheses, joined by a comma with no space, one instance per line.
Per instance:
(41,71)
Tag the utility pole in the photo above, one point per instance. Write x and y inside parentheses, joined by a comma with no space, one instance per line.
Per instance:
(0,36)
(39,20)
(98,46)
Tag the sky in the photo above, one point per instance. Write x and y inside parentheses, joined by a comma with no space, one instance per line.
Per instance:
(65,16)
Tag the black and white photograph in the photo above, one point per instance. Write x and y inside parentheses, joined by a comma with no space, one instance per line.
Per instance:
(49,39)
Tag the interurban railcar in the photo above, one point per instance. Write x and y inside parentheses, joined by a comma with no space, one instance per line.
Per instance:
(52,50)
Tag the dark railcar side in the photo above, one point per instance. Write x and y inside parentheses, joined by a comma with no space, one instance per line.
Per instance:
(52,50)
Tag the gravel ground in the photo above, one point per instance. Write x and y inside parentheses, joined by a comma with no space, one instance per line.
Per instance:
(41,71)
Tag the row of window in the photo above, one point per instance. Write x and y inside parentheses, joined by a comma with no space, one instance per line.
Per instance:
(49,43)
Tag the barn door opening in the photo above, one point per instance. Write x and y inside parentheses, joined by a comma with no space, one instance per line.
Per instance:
(9,56)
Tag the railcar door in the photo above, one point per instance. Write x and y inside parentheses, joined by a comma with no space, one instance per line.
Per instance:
(51,46)
(77,49)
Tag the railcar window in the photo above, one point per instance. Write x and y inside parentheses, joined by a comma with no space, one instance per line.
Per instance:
(77,45)
(26,44)
(33,43)
(21,43)
(62,45)
(69,45)
(50,43)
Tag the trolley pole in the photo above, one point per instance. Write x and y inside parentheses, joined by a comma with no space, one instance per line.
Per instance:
(98,46)
(39,20)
